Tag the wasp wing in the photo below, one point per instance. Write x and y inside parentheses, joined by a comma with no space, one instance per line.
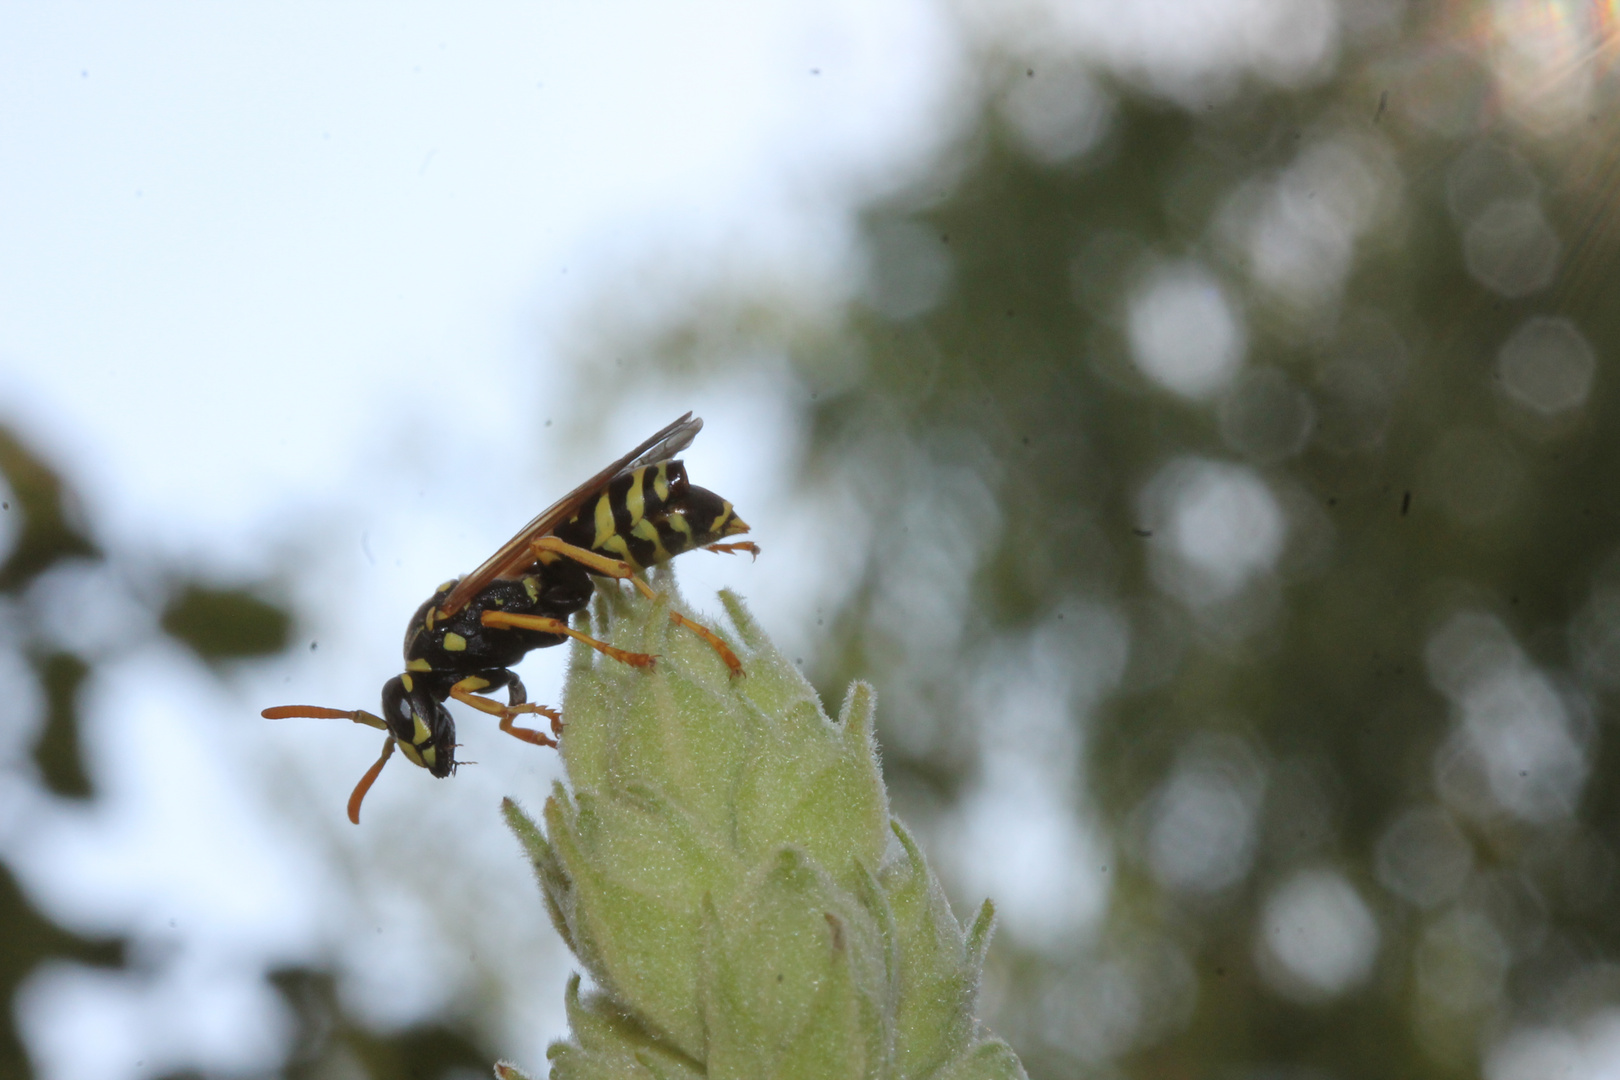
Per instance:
(515,555)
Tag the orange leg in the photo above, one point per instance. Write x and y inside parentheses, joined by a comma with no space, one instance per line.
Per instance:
(557,626)
(590,560)
(732,549)
(617,568)
(729,657)
(508,713)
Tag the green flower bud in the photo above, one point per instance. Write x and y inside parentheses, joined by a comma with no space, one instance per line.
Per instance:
(724,866)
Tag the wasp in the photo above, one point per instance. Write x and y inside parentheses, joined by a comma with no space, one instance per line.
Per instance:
(464,639)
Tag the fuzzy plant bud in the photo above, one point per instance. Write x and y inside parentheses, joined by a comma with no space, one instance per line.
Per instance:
(723,864)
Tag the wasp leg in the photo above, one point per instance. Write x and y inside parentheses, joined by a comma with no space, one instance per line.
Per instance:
(316,712)
(617,568)
(367,780)
(733,664)
(557,626)
(732,549)
(590,560)
(462,692)
(517,699)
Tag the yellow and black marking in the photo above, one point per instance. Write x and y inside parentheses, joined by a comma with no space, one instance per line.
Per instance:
(464,640)
(651,516)
(419,747)
(623,509)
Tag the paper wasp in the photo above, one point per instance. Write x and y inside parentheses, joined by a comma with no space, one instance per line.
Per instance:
(462,642)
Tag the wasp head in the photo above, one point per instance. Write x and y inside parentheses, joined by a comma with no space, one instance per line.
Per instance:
(420,724)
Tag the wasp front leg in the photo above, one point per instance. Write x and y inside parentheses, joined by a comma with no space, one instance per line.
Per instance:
(466,692)
(517,700)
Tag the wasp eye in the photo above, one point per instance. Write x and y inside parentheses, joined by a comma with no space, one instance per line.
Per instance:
(397,709)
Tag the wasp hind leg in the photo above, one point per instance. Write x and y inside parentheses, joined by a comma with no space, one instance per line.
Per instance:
(464,692)
(596,564)
(733,664)
(618,568)
(732,548)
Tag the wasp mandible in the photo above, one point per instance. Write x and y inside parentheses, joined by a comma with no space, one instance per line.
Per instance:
(462,642)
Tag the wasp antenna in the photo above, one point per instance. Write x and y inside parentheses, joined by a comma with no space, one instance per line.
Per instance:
(317,712)
(367,780)
(288,712)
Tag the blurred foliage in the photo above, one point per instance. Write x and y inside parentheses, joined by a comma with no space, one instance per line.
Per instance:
(1432,647)
(328,1040)
(61,765)
(45,538)
(222,624)
(49,532)
(31,939)
(216,623)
